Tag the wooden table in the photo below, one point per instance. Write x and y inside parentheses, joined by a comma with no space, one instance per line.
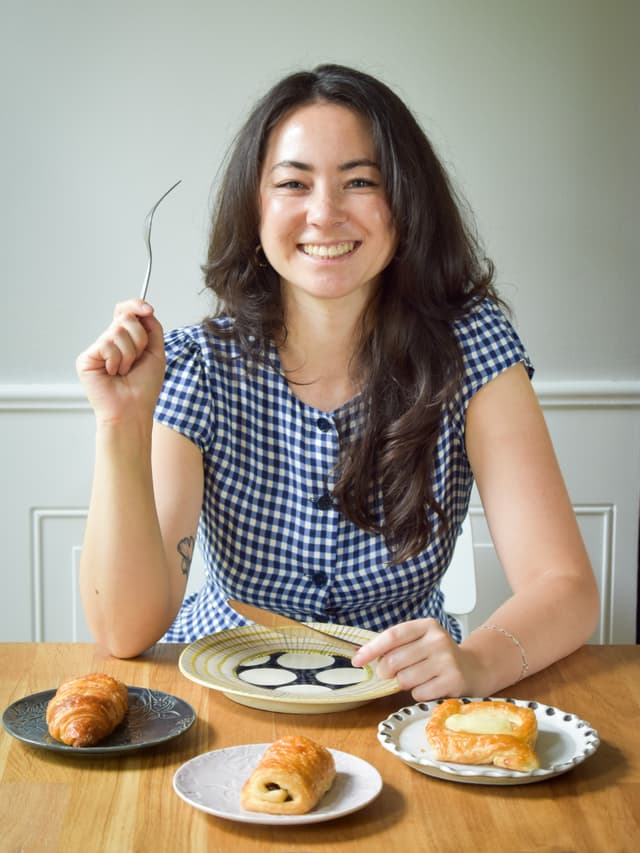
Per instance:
(50,801)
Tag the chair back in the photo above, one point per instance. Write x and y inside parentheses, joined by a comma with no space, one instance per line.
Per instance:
(459,581)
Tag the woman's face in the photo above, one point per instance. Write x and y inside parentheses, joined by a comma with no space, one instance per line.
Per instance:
(325,224)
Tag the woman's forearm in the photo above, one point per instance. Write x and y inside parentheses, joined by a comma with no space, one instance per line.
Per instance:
(124,574)
(532,629)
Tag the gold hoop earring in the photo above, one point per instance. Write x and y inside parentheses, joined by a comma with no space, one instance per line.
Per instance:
(261,258)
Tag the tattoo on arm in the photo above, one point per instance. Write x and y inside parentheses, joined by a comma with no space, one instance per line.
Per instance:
(185,549)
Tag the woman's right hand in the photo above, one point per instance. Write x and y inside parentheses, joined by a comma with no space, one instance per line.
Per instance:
(122,371)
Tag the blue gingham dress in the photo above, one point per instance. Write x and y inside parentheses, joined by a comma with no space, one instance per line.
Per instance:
(269,532)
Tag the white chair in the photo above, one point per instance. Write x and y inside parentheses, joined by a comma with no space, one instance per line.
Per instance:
(459,581)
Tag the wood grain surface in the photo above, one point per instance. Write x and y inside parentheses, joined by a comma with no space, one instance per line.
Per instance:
(53,802)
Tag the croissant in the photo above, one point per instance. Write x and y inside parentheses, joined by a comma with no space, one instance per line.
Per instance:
(84,710)
(498,733)
(292,776)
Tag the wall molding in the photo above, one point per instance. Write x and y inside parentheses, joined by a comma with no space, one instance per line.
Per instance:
(38,518)
(51,397)
(562,394)
(588,394)
(605,514)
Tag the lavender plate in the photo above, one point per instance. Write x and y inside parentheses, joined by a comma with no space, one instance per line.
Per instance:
(212,782)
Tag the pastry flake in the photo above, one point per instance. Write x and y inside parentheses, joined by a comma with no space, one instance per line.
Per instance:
(292,776)
(86,709)
(491,732)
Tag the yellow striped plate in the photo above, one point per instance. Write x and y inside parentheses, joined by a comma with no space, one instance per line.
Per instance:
(283,669)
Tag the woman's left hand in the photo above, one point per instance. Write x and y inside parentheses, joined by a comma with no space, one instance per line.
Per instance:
(424,659)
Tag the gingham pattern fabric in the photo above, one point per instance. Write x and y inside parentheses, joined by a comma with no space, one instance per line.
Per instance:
(269,532)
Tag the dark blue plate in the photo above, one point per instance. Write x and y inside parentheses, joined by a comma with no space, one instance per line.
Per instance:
(152,718)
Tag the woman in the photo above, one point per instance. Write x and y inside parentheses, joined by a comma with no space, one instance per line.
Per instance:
(325,427)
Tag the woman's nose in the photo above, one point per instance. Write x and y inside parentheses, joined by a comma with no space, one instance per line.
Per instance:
(326,207)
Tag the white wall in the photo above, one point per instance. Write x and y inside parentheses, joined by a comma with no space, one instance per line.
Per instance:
(532,104)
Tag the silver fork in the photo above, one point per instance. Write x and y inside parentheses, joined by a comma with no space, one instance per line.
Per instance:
(147,238)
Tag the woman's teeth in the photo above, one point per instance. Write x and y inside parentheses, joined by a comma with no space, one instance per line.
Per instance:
(328,251)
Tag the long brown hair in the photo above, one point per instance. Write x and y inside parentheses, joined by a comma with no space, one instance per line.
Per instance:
(408,360)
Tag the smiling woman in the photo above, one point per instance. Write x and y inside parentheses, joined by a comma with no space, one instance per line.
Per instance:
(324,428)
(325,223)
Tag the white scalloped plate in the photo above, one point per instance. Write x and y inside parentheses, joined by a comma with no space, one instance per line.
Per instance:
(283,669)
(212,783)
(564,741)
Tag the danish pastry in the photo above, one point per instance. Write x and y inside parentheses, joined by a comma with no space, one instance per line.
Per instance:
(292,776)
(491,732)
(85,709)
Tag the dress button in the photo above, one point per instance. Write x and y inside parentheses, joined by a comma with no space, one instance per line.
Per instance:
(319,579)
(325,502)
(323,424)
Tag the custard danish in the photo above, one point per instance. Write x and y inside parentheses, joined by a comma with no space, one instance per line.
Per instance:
(491,732)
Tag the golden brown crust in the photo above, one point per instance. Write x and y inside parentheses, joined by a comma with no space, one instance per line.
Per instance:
(85,709)
(292,776)
(513,750)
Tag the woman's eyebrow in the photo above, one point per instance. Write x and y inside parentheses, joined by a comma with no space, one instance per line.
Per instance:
(355,164)
(292,164)
(343,167)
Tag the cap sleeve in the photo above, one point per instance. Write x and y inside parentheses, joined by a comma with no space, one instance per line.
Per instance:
(489,345)
(185,403)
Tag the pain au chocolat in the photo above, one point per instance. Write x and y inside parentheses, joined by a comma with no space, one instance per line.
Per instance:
(484,732)
(292,776)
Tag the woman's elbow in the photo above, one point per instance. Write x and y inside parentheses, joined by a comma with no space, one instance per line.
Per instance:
(123,644)
(126,651)
(586,606)
(592,608)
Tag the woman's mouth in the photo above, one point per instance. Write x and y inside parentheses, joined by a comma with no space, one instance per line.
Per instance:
(335,250)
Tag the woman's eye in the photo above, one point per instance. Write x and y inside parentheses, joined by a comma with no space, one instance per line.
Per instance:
(360,183)
(290,185)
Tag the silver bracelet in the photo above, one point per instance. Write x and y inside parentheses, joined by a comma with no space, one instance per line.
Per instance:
(525,662)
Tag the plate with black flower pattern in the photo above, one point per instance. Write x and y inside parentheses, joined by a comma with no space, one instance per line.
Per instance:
(152,718)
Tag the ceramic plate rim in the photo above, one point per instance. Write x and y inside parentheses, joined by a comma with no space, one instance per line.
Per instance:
(484,774)
(102,749)
(383,687)
(343,760)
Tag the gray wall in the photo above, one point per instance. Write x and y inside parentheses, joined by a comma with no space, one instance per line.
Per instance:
(533,105)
